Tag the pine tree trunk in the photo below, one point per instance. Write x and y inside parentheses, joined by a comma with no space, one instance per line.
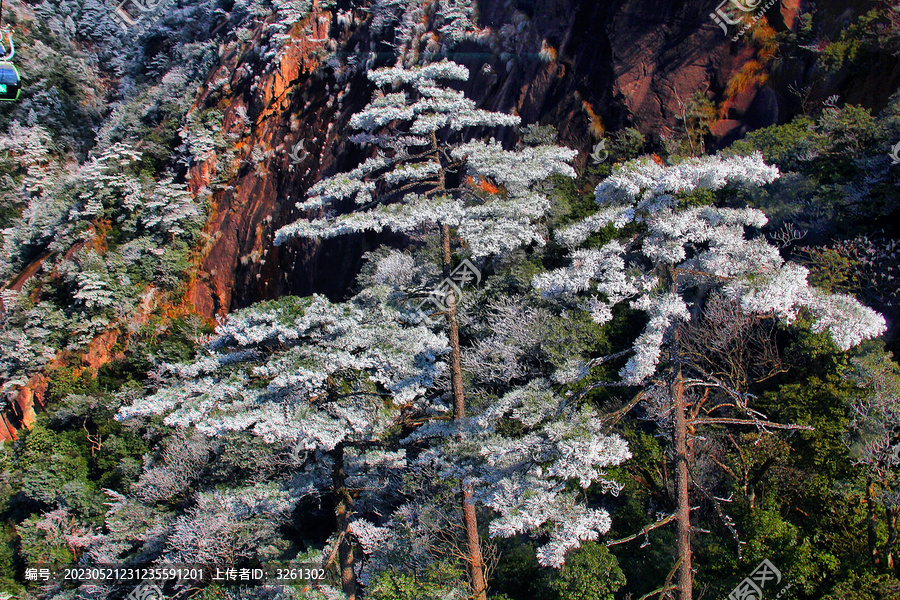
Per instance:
(871,523)
(456,383)
(470,519)
(890,515)
(342,510)
(476,561)
(682,483)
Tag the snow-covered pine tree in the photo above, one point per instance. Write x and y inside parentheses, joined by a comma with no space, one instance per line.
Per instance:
(535,478)
(526,454)
(423,174)
(65,213)
(415,23)
(666,269)
(328,380)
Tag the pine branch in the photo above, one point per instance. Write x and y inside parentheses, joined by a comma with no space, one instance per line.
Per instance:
(667,586)
(755,422)
(726,520)
(613,418)
(645,531)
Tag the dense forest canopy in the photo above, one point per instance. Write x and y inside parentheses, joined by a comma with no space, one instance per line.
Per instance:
(447,299)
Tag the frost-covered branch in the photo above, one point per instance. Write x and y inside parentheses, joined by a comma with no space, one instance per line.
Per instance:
(698,246)
(403,187)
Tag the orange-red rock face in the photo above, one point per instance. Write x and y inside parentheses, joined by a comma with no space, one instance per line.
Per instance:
(100,350)
(289,103)
(584,66)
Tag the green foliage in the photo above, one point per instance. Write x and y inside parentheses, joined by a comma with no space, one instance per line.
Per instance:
(171,341)
(848,129)
(573,199)
(805,562)
(875,33)
(865,586)
(518,574)
(56,473)
(537,135)
(397,585)
(829,269)
(52,470)
(781,144)
(8,541)
(40,547)
(243,454)
(697,198)
(113,452)
(115,374)
(821,404)
(627,144)
(824,148)
(695,117)
(590,573)
(572,334)
(70,380)
(644,565)
(834,178)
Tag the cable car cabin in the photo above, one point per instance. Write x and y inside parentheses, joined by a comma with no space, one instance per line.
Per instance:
(9,82)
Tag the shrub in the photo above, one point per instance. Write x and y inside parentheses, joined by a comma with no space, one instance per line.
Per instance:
(590,573)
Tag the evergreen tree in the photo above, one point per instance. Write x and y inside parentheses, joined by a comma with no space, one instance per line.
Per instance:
(674,256)
(330,381)
(422,174)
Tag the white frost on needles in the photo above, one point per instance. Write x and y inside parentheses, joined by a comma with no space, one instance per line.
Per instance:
(644,179)
(664,311)
(369,535)
(274,368)
(531,480)
(784,292)
(495,206)
(699,245)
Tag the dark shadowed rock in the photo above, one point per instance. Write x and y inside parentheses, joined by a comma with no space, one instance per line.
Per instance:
(765,109)
(585,67)
(726,131)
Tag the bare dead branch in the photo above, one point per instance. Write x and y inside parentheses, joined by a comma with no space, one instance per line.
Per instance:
(646,530)
(755,422)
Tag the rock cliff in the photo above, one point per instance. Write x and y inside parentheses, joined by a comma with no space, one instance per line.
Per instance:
(585,67)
